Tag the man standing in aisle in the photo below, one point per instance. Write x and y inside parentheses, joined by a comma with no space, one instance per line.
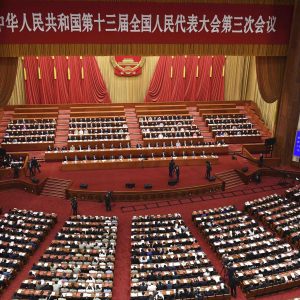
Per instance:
(232,280)
(107,200)
(208,169)
(74,206)
(177,172)
(171,167)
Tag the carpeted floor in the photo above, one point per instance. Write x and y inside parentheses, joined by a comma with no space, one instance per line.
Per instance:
(158,177)
(20,199)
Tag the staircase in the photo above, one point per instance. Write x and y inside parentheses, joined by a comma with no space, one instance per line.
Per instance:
(258,123)
(133,127)
(6,117)
(201,124)
(62,128)
(231,179)
(55,187)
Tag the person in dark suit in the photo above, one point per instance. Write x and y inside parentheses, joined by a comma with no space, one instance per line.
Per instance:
(74,206)
(171,167)
(208,169)
(107,200)
(31,168)
(261,160)
(177,172)
(232,280)
(15,168)
(36,165)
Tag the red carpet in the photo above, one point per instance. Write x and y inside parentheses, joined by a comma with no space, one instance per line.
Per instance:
(115,179)
(20,199)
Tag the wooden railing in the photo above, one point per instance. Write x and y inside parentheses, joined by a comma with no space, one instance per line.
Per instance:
(23,185)
(150,195)
(98,113)
(249,149)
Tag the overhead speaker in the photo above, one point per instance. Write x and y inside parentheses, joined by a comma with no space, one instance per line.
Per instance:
(172,182)
(35,180)
(130,185)
(148,186)
(244,169)
(83,186)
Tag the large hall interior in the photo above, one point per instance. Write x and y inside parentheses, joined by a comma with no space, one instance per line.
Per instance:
(150,149)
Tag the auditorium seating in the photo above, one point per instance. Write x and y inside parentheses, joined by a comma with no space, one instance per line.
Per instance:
(216,118)
(20,235)
(263,263)
(220,110)
(174,128)
(281,214)
(232,128)
(98,130)
(166,259)
(79,263)
(29,134)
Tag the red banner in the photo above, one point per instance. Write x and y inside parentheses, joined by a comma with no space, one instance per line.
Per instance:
(78,22)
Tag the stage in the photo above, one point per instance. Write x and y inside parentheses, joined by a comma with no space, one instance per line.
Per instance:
(158,177)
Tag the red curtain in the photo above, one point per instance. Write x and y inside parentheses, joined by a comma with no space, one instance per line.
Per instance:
(187,78)
(60,79)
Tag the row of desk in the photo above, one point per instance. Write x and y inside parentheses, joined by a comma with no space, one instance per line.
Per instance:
(157,151)
(135,163)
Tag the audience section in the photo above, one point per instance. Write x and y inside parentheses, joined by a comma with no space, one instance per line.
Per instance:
(29,134)
(21,233)
(280,213)
(168,263)
(232,128)
(254,258)
(79,263)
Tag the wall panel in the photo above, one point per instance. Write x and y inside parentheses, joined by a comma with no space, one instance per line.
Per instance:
(127,89)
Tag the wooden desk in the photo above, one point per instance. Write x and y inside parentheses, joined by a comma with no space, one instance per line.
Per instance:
(93,108)
(27,147)
(226,115)
(134,163)
(36,110)
(157,151)
(160,107)
(102,114)
(218,110)
(242,139)
(173,139)
(272,289)
(107,143)
(31,115)
(216,105)
(162,112)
